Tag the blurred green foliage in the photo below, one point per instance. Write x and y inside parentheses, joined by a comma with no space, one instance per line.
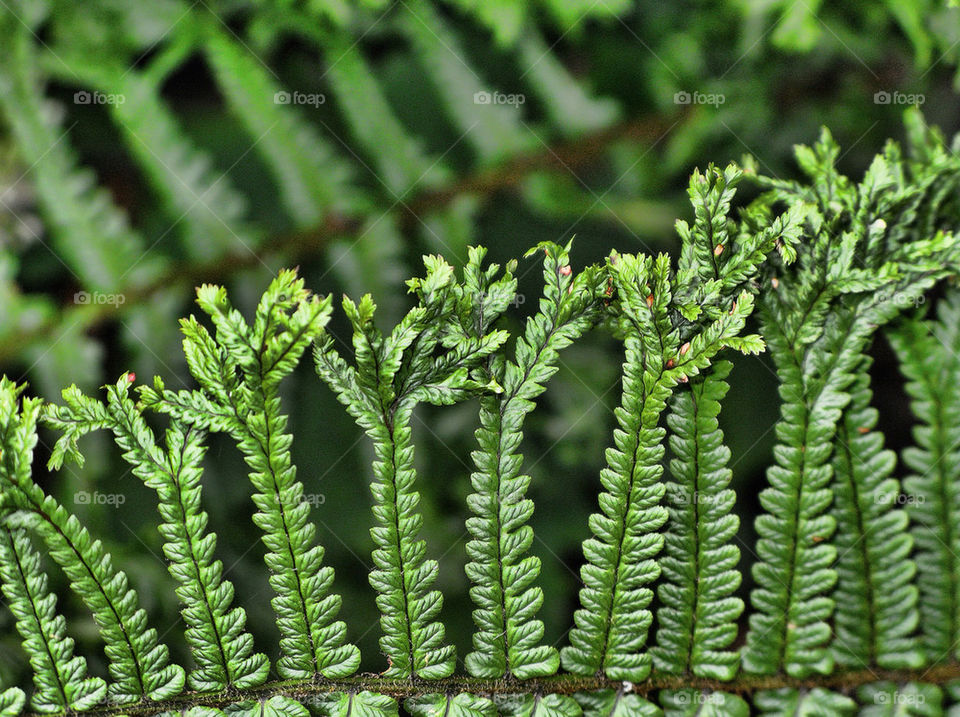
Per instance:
(148,147)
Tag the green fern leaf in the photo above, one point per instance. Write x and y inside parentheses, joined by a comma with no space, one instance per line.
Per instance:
(461,705)
(817,702)
(503,576)
(138,662)
(536,705)
(12,701)
(392,374)
(616,703)
(928,358)
(876,600)
(90,234)
(695,703)
(310,176)
(287,320)
(494,130)
(221,647)
(60,678)
(358,704)
(698,614)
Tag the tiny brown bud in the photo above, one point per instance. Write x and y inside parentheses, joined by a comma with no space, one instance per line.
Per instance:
(718,250)
(862,430)
(775,282)
(565,270)
(650,300)
(131,377)
(684,379)
(684,348)
(670,363)
(733,309)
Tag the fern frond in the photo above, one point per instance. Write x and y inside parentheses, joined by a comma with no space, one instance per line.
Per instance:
(89,232)
(697,703)
(392,374)
(928,353)
(615,703)
(358,704)
(221,647)
(818,324)
(311,177)
(503,575)
(286,321)
(207,211)
(12,700)
(706,302)
(697,618)
(138,662)
(889,699)
(568,103)
(462,705)
(536,705)
(876,600)
(789,701)
(60,677)
(493,130)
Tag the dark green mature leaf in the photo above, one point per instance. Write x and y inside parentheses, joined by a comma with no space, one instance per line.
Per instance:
(928,352)
(698,613)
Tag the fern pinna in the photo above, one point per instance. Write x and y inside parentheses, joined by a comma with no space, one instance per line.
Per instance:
(854,582)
